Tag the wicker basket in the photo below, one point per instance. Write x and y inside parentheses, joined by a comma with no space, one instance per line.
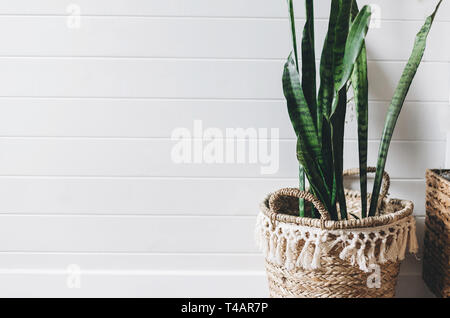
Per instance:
(436,262)
(308,257)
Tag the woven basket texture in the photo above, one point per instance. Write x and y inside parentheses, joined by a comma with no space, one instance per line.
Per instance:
(436,259)
(336,277)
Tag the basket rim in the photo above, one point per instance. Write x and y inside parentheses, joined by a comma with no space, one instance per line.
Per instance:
(368,222)
(434,173)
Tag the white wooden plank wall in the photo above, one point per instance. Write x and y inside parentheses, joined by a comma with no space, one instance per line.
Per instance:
(88,105)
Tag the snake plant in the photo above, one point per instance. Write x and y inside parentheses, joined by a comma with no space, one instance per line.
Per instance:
(318,115)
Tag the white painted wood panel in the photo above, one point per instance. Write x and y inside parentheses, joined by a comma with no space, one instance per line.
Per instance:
(217,38)
(39,281)
(187,78)
(113,263)
(414,122)
(158,196)
(86,116)
(398,9)
(133,263)
(447,153)
(127,234)
(156,284)
(131,234)
(21,117)
(405,189)
(152,157)
(150,284)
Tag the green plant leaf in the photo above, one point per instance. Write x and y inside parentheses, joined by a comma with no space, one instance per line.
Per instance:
(301,186)
(293,32)
(339,104)
(309,60)
(353,46)
(338,124)
(359,83)
(342,36)
(326,88)
(396,105)
(325,99)
(309,152)
(315,176)
(347,46)
(355,216)
(361,97)
(298,109)
(301,170)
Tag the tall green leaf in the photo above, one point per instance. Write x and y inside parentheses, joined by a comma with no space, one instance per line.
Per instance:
(326,88)
(339,102)
(301,170)
(338,124)
(347,47)
(326,93)
(293,32)
(309,152)
(341,37)
(325,98)
(309,60)
(397,103)
(360,85)
(298,110)
(353,45)
(301,186)
(308,72)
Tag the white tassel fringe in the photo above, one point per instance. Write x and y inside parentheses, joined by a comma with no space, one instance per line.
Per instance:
(292,245)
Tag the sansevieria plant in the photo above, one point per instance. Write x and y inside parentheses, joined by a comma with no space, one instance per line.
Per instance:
(318,114)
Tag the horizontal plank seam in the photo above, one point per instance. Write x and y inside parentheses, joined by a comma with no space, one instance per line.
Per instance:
(144,138)
(250,215)
(135,216)
(88,253)
(197,17)
(206,59)
(226,99)
(239,139)
(190,178)
(143,272)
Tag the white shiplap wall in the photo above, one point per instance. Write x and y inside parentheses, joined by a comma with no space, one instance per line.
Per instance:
(86,116)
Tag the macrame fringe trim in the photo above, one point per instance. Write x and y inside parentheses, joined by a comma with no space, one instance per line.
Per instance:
(294,246)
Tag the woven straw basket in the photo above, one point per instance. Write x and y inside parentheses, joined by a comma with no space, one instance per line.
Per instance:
(308,257)
(436,262)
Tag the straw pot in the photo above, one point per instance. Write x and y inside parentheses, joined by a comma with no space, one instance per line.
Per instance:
(308,257)
(436,262)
